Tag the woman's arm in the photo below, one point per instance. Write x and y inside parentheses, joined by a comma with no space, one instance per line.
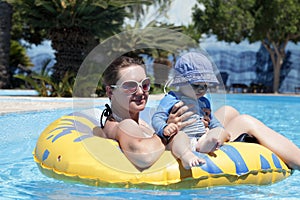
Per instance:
(139,146)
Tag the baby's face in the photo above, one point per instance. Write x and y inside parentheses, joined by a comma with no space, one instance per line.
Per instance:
(195,89)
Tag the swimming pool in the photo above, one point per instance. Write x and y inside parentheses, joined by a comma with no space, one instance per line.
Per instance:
(21,179)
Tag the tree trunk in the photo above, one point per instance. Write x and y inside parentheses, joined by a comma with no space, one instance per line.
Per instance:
(161,69)
(5,26)
(277,66)
(277,56)
(72,45)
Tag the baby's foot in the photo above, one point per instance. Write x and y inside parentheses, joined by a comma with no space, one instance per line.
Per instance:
(190,160)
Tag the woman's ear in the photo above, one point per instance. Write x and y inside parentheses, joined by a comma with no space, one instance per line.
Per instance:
(108,91)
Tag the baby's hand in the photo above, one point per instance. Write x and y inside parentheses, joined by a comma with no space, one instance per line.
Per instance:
(207,111)
(170,130)
(206,118)
(206,122)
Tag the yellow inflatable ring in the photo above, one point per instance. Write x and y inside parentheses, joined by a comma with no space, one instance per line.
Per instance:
(68,150)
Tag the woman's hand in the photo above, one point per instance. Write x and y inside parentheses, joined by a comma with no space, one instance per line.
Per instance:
(179,115)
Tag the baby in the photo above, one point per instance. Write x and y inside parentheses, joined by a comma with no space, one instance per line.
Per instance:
(193,71)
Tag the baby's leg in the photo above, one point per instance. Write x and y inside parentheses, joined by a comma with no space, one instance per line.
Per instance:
(207,143)
(212,140)
(180,147)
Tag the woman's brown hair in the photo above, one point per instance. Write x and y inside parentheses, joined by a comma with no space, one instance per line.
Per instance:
(111,74)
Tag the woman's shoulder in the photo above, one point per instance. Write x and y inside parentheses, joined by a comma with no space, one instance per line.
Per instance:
(146,128)
(109,130)
(144,123)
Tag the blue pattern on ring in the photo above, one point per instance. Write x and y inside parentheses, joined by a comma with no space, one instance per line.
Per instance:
(61,127)
(264,164)
(235,156)
(67,129)
(79,126)
(79,139)
(45,155)
(50,136)
(209,166)
(63,133)
(276,161)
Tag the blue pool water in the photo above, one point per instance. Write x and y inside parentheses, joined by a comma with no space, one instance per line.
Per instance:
(21,179)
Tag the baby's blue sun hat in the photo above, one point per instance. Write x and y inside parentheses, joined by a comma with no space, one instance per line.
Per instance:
(194,67)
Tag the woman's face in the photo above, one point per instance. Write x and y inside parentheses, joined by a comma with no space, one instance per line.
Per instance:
(123,99)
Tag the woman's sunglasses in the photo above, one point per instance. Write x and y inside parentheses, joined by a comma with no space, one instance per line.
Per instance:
(199,87)
(131,86)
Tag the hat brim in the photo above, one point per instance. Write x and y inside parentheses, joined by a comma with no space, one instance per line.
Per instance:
(195,78)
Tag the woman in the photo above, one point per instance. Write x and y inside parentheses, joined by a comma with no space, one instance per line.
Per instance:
(128,87)
(237,124)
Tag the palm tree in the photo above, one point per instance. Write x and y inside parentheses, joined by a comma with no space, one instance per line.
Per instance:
(5,26)
(74,27)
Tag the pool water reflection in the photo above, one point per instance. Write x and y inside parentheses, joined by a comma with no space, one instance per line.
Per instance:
(21,179)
